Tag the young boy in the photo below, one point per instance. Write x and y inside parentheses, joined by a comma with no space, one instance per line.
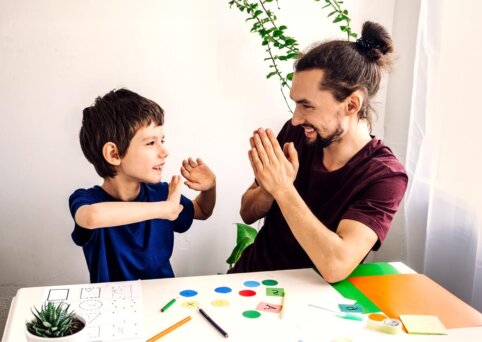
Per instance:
(126,226)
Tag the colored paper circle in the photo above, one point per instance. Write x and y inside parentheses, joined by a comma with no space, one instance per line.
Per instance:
(251,283)
(270,282)
(220,302)
(223,289)
(190,304)
(251,314)
(247,293)
(188,293)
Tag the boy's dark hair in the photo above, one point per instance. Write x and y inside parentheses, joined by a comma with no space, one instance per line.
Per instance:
(350,66)
(115,117)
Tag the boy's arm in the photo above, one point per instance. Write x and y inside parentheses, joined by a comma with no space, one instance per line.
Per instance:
(111,214)
(200,177)
(204,204)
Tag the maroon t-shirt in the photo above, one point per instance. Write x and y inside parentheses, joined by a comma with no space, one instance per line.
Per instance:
(368,189)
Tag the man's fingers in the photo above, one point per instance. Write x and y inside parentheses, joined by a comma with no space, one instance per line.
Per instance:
(251,142)
(261,152)
(275,144)
(199,161)
(293,156)
(268,145)
(256,163)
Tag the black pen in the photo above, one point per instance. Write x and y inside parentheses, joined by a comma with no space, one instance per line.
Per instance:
(214,324)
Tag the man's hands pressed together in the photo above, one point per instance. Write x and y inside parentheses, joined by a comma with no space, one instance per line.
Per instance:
(275,169)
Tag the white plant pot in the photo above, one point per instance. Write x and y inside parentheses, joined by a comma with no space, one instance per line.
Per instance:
(78,336)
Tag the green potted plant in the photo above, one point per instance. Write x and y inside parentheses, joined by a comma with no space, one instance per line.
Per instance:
(54,321)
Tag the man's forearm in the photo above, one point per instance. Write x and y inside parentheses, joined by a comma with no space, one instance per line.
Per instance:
(335,254)
(255,204)
(323,246)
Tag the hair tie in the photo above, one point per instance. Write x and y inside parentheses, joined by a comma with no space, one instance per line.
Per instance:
(367,43)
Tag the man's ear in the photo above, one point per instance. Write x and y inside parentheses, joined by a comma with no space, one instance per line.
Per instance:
(111,153)
(355,102)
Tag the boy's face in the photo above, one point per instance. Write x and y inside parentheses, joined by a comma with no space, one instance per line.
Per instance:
(145,156)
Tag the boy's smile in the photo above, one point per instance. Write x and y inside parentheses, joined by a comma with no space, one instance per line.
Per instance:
(159,167)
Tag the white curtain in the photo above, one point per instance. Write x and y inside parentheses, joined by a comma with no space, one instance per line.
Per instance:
(444,157)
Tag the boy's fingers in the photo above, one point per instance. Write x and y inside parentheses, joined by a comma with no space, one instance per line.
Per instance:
(184,172)
(186,165)
(190,184)
(199,161)
(192,162)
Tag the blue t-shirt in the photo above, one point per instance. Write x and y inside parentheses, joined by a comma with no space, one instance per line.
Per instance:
(134,251)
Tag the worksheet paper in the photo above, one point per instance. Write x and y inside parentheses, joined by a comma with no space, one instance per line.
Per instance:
(113,311)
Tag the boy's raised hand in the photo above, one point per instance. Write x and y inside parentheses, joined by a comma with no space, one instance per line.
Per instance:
(172,204)
(198,175)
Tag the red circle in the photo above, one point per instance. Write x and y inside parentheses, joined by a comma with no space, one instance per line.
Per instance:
(247,293)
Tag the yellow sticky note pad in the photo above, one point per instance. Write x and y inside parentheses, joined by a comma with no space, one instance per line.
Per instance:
(423,324)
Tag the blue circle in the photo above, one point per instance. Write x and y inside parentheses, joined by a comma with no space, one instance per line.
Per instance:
(251,283)
(223,289)
(188,293)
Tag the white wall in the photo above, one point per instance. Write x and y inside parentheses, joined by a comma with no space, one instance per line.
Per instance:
(195,58)
(397,112)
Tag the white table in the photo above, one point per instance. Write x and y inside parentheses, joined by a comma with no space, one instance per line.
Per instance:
(301,321)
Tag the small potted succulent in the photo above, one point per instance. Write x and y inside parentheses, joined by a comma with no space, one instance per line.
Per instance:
(53,322)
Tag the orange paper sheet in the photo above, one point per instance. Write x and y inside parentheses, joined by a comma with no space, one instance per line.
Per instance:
(417,294)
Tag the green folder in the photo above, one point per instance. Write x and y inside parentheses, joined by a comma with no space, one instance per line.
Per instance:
(348,290)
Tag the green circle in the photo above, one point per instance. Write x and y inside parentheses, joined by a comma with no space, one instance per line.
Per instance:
(251,314)
(270,282)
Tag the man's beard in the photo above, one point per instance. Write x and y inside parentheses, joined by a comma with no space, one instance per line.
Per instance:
(326,141)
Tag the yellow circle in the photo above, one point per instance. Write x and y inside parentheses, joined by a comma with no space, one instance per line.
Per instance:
(220,302)
(190,304)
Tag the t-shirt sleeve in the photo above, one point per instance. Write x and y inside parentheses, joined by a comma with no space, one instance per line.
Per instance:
(282,135)
(185,218)
(79,198)
(377,205)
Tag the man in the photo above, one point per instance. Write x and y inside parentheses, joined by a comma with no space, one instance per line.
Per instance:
(329,194)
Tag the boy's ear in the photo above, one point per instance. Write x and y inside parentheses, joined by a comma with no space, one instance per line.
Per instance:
(111,153)
(355,102)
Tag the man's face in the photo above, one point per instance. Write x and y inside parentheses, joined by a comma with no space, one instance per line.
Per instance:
(317,111)
(145,156)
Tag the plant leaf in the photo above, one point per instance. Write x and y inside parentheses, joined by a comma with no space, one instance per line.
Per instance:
(245,231)
(245,237)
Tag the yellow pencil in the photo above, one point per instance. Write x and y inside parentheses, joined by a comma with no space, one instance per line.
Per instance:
(283,305)
(168,330)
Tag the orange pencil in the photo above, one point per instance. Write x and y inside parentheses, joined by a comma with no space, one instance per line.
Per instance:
(168,330)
